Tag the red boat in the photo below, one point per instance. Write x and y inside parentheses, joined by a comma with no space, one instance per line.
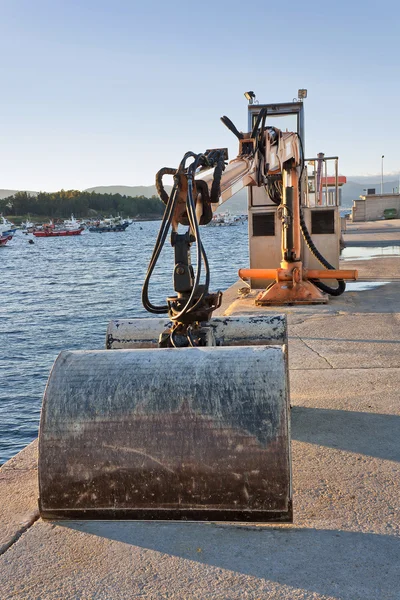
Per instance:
(4,239)
(54,233)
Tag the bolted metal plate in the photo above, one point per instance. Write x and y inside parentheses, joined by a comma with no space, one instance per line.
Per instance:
(191,433)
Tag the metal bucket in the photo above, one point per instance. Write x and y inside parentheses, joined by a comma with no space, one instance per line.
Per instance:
(190,433)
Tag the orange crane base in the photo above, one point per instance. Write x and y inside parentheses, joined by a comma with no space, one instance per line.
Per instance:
(293,285)
(289,292)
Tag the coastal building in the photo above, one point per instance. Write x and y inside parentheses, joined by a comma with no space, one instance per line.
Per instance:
(372,207)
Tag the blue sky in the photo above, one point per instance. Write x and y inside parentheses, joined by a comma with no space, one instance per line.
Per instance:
(107,92)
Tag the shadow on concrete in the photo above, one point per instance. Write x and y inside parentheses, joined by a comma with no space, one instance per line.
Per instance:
(355,340)
(383,300)
(371,434)
(334,563)
(373,243)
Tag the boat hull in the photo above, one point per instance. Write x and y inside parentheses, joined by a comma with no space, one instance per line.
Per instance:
(63,233)
(4,239)
(108,228)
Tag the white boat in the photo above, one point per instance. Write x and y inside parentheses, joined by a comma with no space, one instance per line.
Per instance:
(27,226)
(110,224)
(7,228)
(72,224)
(224,219)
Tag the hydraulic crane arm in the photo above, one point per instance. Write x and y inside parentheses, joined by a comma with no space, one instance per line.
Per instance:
(264,152)
(239,173)
(203,182)
(253,168)
(267,157)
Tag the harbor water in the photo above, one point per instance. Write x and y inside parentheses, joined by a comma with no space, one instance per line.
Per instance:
(59,293)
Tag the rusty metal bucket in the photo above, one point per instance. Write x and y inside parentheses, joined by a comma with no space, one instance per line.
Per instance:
(190,433)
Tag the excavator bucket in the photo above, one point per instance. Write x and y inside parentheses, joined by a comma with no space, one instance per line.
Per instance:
(196,433)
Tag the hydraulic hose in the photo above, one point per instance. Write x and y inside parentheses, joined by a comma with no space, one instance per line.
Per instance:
(200,252)
(161,237)
(313,249)
(216,184)
(228,123)
(159,184)
(194,299)
(311,246)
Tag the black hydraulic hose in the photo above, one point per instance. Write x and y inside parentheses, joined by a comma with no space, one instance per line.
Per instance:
(194,300)
(257,123)
(228,123)
(274,191)
(187,306)
(161,237)
(313,249)
(311,246)
(159,184)
(182,164)
(216,184)
(261,118)
(200,252)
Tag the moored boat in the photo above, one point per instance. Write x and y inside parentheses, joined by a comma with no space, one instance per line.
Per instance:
(71,224)
(47,232)
(226,219)
(6,227)
(4,239)
(27,226)
(52,230)
(111,224)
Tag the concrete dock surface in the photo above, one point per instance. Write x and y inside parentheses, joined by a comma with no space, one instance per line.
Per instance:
(344,543)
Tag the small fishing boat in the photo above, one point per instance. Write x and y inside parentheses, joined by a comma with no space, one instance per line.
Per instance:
(111,224)
(27,227)
(6,227)
(224,219)
(52,230)
(7,230)
(4,239)
(48,232)
(71,224)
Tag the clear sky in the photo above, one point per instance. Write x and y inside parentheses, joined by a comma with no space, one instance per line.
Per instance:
(97,92)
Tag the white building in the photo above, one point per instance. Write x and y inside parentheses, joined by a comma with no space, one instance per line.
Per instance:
(371,207)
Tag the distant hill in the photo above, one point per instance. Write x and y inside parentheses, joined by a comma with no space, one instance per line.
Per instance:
(127,190)
(6,193)
(238,204)
(353,189)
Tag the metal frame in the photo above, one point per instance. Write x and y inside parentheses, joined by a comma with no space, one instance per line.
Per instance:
(281,109)
(324,159)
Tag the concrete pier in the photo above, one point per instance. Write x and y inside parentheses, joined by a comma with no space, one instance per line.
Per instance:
(344,543)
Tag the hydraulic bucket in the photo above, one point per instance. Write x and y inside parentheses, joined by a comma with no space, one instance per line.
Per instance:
(188,433)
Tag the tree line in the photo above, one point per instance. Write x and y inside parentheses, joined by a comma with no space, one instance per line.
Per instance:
(81,204)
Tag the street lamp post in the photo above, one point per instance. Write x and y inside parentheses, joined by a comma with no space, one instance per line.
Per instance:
(383,156)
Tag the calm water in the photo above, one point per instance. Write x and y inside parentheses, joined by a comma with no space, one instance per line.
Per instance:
(60,293)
